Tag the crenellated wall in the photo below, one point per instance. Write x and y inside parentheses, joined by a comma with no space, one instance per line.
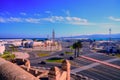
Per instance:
(25,72)
(10,71)
(62,73)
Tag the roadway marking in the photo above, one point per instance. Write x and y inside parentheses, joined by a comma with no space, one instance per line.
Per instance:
(84,67)
(102,62)
(91,65)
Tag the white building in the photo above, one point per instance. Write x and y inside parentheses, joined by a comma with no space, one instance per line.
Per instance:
(16,42)
(38,44)
(2,48)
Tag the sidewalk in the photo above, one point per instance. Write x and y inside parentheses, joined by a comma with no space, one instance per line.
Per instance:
(103,62)
(97,62)
(21,55)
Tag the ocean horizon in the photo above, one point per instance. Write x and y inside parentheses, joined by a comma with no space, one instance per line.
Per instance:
(24,38)
(97,39)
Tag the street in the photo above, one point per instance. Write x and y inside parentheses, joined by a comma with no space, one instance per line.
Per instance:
(97,66)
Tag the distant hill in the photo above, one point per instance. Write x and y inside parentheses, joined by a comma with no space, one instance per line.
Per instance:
(96,36)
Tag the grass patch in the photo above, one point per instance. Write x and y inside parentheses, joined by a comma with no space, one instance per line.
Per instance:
(55,59)
(13,48)
(117,55)
(68,52)
(44,51)
(7,56)
(43,54)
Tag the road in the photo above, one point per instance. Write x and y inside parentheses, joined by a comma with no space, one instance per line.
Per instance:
(98,71)
(89,68)
(102,72)
(34,59)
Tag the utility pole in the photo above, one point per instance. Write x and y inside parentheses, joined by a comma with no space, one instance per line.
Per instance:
(109,42)
(53,35)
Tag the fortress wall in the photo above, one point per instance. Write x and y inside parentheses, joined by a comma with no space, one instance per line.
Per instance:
(10,71)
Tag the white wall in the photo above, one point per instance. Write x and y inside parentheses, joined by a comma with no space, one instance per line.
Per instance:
(2,48)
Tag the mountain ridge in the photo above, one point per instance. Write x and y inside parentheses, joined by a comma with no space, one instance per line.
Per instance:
(96,36)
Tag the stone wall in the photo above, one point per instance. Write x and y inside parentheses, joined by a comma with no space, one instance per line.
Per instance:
(62,73)
(25,72)
(25,64)
(10,71)
(54,73)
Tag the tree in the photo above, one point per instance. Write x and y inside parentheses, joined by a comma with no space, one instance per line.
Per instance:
(77,45)
(34,39)
(71,48)
(23,42)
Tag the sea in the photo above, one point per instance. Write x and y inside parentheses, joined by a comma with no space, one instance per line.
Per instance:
(43,39)
(105,39)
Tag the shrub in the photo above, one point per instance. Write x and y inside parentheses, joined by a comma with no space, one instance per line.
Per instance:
(43,54)
(71,58)
(55,59)
(8,56)
(62,54)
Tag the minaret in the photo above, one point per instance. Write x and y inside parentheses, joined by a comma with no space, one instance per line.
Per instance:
(53,35)
(109,34)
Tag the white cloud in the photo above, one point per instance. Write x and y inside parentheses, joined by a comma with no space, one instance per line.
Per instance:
(58,18)
(10,19)
(23,13)
(114,19)
(77,21)
(48,19)
(32,20)
(52,19)
(13,19)
(2,20)
(68,20)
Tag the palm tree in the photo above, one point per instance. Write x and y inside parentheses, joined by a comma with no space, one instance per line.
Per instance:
(23,42)
(77,45)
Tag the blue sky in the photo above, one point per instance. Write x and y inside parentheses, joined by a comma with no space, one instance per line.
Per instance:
(37,18)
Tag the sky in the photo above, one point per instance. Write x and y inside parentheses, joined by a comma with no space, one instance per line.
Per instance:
(38,18)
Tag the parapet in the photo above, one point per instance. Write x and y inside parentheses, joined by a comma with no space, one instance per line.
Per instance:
(62,73)
(10,71)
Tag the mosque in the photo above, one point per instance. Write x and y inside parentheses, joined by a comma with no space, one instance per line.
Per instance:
(47,45)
